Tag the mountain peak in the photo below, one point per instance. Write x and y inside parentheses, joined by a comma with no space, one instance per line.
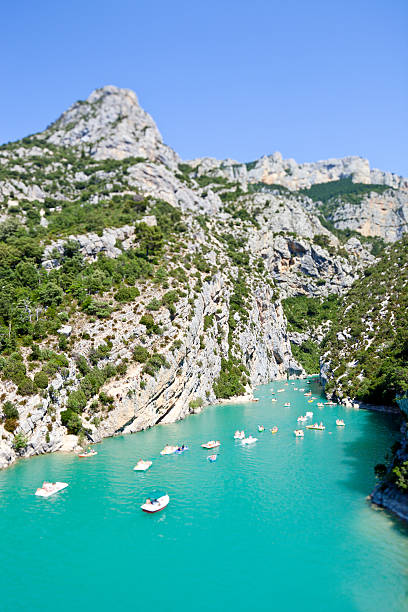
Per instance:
(110,123)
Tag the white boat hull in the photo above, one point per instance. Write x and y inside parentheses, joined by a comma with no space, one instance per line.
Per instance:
(162,502)
(59,486)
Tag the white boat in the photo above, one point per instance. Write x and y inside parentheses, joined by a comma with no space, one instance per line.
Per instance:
(239,435)
(301,389)
(299,433)
(88,453)
(249,440)
(309,415)
(302,419)
(211,444)
(142,466)
(281,390)
(340,423)
(274,399)
(155,505)
(287,405)
(295,388)
(320,404)
(49,488)
(168,450)
(316,426)
(330,403)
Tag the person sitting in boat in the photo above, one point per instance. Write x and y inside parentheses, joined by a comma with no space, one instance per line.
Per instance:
(148,501)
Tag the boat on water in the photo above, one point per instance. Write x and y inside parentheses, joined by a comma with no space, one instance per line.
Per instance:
(340,423)
(212,458)
(261,428)
(302,419)
(299,433)
(211,444)
(309,415)
(274,429)
(320,404)
(295,388)
(249,440)
(90,452)
(49,488)
(308,394)
(281,390)
(181,449)
(142,466)
(239,435)
(329,403)
(287,404)
(155,505)
(168,450)
(316,426)
(301,389)
(274,399)
(310,401)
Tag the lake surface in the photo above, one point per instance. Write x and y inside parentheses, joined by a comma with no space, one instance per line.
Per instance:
(281,525)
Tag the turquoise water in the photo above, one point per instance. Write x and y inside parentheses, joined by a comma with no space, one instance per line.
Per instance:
(281,525)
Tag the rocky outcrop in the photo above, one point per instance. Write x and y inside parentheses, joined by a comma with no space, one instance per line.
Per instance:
(274,170)
(378,214)
(111,124)
(393,499)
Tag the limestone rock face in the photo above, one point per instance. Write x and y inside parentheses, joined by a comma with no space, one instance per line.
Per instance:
(111,124)
(378,214)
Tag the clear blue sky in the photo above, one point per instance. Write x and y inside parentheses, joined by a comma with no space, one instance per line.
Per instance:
(312,79)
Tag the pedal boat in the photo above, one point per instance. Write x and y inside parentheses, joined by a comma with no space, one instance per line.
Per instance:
(155,505)
(49,488)
(211,444)
(239,435)
(249,440)
(169,450)
(287,405)
(212,458)
(142,466)
(316,426)
(261,428)
(88,453)
(309,415)
(273,399)
(274,430)
(340,423)
(299,433)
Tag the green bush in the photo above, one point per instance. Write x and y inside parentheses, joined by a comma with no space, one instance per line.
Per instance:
(71,421)
(76,401)
(10,425)
(126,294)
(41,380)
(140,354)
(154,363)
(10,411)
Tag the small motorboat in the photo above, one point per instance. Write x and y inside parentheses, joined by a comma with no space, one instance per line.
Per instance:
(181,449)
(299,433)
(274,399)
(309,415)
(249,440)
(320,404)
(142,466)
(49,488)
(316,426)
(239,435)
(295,388)
(90,452)
(212,458)
(340,423)
(329,403)
(286,384)
(155,505)
(272,392)
(168,450)
(211,444)
(302,419)
(287,405)
(310,401)
(309,394)
(274,430)
(281,390)
(261,428)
